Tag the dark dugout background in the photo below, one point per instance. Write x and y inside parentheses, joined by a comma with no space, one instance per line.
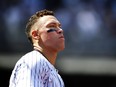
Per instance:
(89,58)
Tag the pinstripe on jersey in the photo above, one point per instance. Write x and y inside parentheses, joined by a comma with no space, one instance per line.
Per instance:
(34,70)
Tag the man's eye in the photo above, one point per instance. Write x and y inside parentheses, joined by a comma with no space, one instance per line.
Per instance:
(51,30)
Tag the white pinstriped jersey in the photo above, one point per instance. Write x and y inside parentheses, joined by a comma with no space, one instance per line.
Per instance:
(34,70)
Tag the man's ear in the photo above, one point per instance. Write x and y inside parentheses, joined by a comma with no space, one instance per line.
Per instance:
(35,34)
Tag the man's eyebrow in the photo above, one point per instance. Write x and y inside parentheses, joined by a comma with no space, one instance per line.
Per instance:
(51,23)
(54,23)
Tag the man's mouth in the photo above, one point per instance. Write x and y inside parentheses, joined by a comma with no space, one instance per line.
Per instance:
(61,36)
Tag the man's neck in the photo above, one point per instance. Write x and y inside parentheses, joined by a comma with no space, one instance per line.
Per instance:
(49,54)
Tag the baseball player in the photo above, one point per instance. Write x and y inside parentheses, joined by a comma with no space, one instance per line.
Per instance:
(36,68)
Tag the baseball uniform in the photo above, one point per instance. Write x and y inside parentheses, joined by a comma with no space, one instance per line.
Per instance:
(34,70)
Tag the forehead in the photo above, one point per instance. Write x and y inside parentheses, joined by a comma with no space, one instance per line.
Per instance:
(43,21)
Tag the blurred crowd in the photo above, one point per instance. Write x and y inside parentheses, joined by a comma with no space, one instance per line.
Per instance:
(89,25)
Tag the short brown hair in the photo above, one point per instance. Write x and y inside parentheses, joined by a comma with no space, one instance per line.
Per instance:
(33,20)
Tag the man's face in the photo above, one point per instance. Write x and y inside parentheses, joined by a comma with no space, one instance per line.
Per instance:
(50,33)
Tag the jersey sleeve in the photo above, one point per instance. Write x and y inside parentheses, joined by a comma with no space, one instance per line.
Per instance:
(24,76)
(21,76)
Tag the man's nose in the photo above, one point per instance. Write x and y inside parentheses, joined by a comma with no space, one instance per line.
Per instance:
(60,31)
